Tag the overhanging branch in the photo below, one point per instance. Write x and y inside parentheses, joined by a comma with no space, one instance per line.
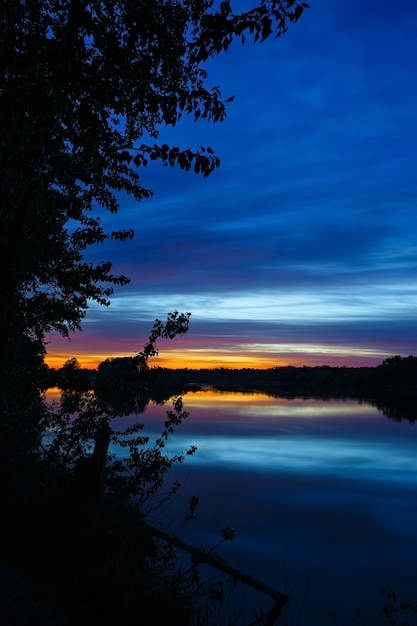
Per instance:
(212,559)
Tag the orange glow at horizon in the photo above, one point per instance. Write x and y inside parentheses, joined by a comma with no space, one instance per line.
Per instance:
(57,359)
(205,361)
(215,353)
(214,359)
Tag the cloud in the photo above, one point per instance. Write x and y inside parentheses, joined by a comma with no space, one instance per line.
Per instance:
(309,224)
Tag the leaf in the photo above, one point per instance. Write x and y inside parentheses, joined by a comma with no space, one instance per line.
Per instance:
(228,533)
(297,13)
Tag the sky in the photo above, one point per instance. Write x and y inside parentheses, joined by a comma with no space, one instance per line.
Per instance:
(301,249)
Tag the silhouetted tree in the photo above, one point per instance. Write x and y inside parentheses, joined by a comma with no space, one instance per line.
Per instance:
(398,371)
(83,83)
(73,376)
(20,399)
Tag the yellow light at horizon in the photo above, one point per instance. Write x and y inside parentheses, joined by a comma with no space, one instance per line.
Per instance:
(175,360)
(238,356)
(90,361)
(261,405)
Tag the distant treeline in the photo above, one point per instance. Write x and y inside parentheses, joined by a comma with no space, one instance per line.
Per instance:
(391,386)
(396,375)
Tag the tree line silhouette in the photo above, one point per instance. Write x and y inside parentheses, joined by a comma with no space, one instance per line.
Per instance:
(390,386)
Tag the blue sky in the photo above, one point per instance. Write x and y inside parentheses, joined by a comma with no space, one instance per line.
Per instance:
(302,247)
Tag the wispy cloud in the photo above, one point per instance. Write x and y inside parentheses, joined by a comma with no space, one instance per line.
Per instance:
(310,221)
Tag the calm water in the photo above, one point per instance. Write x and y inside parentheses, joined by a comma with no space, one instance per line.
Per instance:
(322,495)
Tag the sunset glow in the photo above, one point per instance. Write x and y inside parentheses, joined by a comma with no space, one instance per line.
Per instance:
(301,249)
(181,353)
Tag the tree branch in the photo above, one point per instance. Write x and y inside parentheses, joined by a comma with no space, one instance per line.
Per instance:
(212,559)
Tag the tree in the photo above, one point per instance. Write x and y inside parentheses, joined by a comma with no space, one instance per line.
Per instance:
(85,86)
(136,478)
(21,404)
(128,382)
(72,376)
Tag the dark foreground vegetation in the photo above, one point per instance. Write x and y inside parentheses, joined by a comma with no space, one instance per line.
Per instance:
(76,543)
(67,560)
(75,548)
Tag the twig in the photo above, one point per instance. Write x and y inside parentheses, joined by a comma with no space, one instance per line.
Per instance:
(206,556)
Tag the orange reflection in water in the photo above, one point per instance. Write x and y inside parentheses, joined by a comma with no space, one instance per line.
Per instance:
(208,395)
(214,405)
(263,406)
(53,393)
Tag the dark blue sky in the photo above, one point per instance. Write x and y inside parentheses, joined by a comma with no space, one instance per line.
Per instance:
(302,247)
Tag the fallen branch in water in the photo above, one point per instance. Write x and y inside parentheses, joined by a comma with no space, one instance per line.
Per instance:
(212,559)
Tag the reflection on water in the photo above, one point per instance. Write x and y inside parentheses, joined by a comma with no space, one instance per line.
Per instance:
(53,394)
(257,432)
(325,456)
(322,494)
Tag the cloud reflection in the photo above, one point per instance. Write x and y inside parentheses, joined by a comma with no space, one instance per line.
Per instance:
(329,456)
(255,432)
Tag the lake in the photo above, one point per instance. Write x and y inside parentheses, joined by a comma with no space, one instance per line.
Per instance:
(322,496)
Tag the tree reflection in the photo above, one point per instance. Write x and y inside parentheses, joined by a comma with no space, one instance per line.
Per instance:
(398,408)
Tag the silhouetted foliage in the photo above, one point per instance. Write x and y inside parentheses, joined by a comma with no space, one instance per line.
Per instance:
(86,86)
(20,402)
(399,372)
(129,384)
(80,418)
(73,376)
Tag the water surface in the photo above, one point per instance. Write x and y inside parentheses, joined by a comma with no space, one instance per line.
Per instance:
(322,495)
